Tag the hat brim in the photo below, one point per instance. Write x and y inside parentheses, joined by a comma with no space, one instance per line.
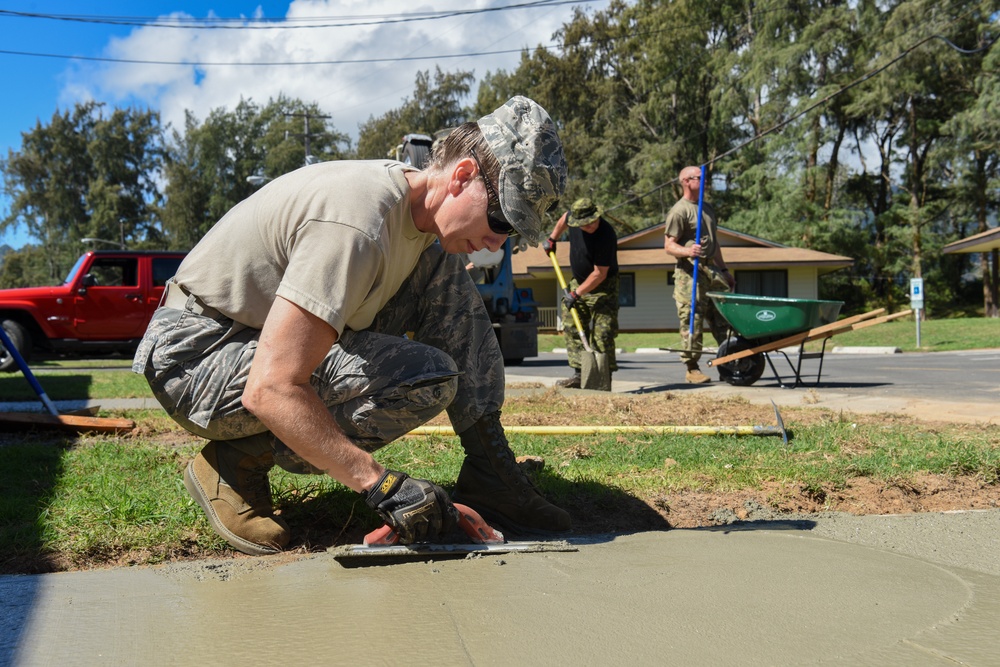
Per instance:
(574,221)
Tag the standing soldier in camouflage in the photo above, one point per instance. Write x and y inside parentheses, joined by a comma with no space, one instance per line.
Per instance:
(593,291)
(281,338)
(713,275)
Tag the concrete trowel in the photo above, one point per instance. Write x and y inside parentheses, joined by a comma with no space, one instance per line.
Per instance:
(382,547)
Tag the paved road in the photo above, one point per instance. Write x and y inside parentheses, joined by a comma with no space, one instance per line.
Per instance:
(951,386)
(963,386)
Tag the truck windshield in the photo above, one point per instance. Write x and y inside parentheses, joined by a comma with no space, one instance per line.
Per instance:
(72,272)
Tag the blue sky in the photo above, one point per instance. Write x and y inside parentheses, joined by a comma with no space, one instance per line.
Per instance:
(35,87)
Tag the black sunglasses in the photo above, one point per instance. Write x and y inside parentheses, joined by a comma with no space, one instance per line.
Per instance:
(494,214)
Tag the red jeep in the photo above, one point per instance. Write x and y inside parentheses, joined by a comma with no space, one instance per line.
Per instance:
(103,306)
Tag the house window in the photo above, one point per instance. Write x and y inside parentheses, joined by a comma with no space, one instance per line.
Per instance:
(763,283)
(626,290)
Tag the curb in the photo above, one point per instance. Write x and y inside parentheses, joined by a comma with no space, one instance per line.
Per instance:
(866,350)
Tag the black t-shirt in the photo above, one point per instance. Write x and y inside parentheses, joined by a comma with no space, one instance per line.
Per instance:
(589,250)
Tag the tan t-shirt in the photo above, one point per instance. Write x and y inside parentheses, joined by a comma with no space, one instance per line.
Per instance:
(335,238)
(682,223)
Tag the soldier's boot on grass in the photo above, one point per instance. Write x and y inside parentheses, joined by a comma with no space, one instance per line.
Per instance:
(572,382)
(694,374)
(233,489)
(493,484)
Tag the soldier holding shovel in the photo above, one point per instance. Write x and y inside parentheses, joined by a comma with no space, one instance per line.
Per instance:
(593,255)
(695,244)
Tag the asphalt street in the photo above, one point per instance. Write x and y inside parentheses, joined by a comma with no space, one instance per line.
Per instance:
(959,386)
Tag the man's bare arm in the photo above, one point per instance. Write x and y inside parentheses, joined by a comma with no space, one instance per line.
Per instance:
(292,344)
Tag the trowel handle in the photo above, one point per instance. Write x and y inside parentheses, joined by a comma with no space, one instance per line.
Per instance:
(469,521)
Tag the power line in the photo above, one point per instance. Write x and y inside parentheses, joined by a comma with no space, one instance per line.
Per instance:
(261,23)
(130,61)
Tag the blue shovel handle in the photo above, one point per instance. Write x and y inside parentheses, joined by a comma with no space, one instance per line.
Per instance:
(697,241)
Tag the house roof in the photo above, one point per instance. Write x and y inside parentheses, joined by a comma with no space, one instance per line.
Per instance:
(981,242)
(644,250)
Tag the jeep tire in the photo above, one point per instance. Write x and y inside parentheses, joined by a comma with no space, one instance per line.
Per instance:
(21,339)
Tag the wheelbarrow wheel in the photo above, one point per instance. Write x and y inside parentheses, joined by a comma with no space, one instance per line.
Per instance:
(741,372)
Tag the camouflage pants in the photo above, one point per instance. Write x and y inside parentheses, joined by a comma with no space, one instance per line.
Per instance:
(709,280)
(377,384)
(598,313)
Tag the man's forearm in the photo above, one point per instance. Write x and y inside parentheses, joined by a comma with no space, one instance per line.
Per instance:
(297,417)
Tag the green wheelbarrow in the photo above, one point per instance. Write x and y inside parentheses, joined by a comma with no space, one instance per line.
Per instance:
(760,326)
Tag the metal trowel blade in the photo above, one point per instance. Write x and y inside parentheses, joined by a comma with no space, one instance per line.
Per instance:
(360,554)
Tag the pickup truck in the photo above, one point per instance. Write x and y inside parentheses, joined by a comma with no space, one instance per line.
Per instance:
(103,306)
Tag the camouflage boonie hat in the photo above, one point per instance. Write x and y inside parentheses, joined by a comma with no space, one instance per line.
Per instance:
(532,165)
(583,212)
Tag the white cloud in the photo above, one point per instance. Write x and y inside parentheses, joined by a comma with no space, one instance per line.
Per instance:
(351,93)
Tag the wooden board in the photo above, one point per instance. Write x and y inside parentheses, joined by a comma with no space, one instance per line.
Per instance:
(10,421)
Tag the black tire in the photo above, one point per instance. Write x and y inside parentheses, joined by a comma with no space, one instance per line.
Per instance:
(741,372)
(416,155)
(21,339)
(513,362)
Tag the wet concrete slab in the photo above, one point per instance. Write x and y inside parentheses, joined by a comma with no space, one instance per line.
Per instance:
(777,593)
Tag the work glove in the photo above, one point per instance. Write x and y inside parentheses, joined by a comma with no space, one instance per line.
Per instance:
(418,510)
(570,299)
(548,245)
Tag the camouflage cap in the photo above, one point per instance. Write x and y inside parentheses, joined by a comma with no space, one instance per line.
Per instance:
(532,165)
(583,212)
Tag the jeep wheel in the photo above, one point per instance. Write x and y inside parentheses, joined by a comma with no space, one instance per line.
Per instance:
(21,339)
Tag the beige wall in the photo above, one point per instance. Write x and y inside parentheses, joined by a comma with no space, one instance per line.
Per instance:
(654,299)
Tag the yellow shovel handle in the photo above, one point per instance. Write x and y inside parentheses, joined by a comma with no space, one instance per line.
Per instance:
(572,311)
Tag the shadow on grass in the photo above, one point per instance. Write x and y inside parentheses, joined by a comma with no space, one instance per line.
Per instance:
(30,465)
(58,387)
(323,517)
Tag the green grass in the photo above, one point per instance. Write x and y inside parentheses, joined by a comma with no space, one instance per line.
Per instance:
(62,385)
(120,500)
(91,501)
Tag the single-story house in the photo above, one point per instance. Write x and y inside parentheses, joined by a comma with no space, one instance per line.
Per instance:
(760,267)
(987,242)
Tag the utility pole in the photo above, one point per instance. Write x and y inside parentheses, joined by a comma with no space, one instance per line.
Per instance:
(305,135)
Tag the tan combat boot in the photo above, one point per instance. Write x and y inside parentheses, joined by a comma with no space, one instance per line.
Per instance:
(233,489)
(492,483)
(572,382)
(695,376)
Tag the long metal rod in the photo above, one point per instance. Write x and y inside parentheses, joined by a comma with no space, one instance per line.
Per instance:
(598,429)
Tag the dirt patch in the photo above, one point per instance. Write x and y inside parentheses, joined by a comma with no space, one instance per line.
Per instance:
(860,496)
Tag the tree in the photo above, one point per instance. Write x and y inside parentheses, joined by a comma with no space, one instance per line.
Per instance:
(209,163)
(87,173)
(435,105)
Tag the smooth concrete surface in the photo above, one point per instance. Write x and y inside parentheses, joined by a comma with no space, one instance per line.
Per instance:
(808,591)
(830,589)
